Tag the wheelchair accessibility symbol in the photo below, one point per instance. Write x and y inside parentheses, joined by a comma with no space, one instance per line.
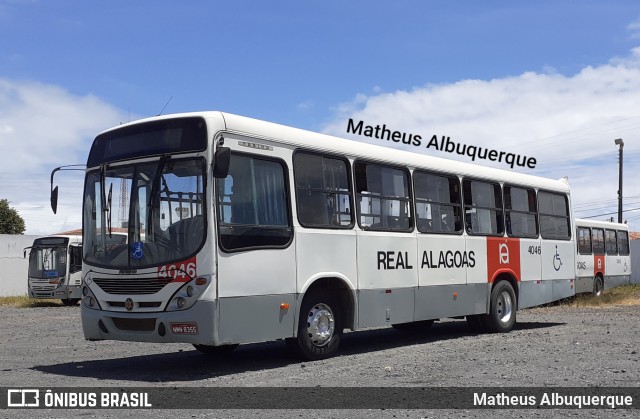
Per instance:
(557,262)
(136,250)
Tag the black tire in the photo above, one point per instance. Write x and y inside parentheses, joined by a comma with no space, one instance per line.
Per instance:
(598,287)
(319,327)
(419,326)
(216,350)
(502,313)
(475,323)
(70,301)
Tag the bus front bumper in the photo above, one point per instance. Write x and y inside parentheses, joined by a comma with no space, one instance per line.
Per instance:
(194,325)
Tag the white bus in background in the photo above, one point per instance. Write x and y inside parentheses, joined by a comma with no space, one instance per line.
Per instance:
(282,233)
(603,259)
(55,268)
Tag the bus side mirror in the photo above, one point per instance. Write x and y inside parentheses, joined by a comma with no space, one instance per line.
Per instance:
(54,199)
(221,163)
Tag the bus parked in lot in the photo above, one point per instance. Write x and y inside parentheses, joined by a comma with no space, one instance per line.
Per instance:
(55,268)
(243,231)
(603,259)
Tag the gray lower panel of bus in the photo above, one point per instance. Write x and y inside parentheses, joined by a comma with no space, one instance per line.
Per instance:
(403,305)
(586,284)
(256,318)
(616,281)
(534,293)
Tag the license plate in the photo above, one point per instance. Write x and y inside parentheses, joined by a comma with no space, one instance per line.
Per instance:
(184,328)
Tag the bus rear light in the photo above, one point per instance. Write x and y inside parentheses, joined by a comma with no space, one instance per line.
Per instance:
(201,281)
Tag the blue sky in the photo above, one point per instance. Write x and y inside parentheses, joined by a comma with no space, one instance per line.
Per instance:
(493,73)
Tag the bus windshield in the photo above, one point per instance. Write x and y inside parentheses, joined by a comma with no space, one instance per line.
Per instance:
(48,262)
(157,205)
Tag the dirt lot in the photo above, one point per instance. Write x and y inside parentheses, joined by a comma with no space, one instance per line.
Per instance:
(552,346)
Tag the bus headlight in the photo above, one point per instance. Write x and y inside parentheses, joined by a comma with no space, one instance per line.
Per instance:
(88,299)
(181,302)
(188,294)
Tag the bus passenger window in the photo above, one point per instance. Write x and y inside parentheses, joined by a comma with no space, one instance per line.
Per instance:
(623,243)
(438,206)
(383,197)
(323,192)
(521,212)
(554,216)
(611,242)
(584,241)
(483,208)
(253,209)
(598,241)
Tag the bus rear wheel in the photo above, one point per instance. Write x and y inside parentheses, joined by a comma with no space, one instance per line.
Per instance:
(319,327)
(598,287)
(502,314)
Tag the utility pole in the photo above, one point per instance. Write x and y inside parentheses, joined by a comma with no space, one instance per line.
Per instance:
(620,143)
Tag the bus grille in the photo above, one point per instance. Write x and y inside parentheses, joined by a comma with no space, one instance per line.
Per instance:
(133,286)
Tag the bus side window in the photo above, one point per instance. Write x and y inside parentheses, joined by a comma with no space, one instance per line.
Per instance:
(75,259)
(438,205)
(623,243)
(383,200)
(483,207)
(553,211)
(322,191)
(598,241)
(611,242)
(584,241)
(521,212)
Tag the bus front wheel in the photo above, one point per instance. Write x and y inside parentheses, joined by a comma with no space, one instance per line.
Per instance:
(319,327)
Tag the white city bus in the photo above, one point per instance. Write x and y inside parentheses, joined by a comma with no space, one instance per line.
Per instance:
(55,268)
(603,259)
(243,231)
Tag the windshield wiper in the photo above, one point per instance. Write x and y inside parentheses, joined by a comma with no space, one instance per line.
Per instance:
(109,209)
(155,190)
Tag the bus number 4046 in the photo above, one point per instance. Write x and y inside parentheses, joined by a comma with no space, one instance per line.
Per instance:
(182,272)
(535,250)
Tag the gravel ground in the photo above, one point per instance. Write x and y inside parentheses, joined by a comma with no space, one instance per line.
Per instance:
(553,346)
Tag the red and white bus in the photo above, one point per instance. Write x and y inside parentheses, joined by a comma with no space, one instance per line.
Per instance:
(603,259)
(243,231)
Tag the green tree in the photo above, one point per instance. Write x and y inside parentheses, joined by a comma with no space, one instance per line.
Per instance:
(10,221)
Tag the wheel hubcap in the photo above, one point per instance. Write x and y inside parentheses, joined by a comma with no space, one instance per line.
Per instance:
(504,307)
(320,324)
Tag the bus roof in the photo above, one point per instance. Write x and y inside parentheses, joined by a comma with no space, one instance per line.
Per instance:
(582,222)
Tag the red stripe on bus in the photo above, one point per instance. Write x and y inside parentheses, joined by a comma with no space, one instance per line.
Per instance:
(503,256)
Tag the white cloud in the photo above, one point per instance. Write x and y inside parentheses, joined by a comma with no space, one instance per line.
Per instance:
(568,123)
(634,29)
(42,127)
